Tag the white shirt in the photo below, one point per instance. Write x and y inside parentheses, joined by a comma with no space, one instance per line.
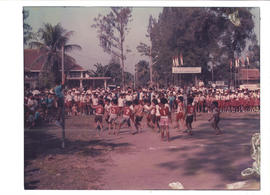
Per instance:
(69,98)
(121,102)
(129,98)
(95,101)
(30,102)
(107,107)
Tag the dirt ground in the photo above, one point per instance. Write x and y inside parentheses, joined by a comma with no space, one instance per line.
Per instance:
(141,161)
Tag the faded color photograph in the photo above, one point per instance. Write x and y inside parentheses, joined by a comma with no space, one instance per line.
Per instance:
(141,98)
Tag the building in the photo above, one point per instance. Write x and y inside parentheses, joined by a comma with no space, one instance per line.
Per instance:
(77,76)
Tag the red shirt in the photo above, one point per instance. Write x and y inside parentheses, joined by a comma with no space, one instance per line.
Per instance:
(180,107)
(164,111)
(127,111)
(99,110)
(190,110)
(114,109)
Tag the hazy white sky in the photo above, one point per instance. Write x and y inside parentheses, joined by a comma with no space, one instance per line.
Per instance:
(80,19)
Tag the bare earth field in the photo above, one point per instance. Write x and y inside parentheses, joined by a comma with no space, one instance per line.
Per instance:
(141,161)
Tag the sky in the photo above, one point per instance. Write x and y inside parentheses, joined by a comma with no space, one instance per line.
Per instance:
(80,19)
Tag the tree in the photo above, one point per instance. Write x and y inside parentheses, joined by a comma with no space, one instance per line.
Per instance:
(27,29)
(52,39)
(112,30)
(147,50)
(100,70)
(142,73)
(113,70)
(201,35)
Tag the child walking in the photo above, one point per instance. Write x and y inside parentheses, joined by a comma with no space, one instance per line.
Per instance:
(114,110)
(99,116)
(180,113)
(127,112)
(138,113)
(190,115)
(164,119)
(216,117)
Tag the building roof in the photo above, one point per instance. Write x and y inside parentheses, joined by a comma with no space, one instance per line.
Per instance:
(30,56)
(249,74)
(33,62)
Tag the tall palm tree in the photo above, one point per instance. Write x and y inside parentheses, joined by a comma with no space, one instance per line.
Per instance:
(52,38)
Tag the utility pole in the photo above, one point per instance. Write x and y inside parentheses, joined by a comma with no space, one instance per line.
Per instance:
(151,67)
(135,76)
(212,72)
(63,109)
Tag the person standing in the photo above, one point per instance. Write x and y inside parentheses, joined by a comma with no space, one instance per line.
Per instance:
(190,115)
(60,102)
(215,117)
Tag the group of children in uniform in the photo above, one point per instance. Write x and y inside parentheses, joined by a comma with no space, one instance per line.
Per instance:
(158,115)
(119,107)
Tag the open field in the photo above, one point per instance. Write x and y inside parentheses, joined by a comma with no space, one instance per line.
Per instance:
(142,161)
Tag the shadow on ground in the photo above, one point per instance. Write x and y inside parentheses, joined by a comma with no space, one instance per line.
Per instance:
(226,154)
(43,146)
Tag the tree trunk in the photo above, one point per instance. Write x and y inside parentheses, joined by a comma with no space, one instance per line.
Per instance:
(122,53)
(151,68)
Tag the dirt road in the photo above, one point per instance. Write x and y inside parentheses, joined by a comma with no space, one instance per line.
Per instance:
(141,161)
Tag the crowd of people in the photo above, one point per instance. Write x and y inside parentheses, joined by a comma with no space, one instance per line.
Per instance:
(159,107)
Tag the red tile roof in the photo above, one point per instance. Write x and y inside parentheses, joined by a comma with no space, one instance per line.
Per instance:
(31,62)
(30,56)
(250,74)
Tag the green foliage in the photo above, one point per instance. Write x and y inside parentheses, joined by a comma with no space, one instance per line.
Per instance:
(143,73)
(202,35)
(112,29)
(27,29)
(113,70)
(52,38)
(46,80)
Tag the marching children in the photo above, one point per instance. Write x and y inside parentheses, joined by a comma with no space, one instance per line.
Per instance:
(164,118)
(216,113)
(157,115)
(107,110)
(113,116)
(180,113)
(147,109)
(99,116)
(138,113)
(190,115)
(127,112)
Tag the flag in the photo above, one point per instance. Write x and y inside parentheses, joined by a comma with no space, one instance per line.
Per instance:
(236,63)
(243,61)
(176,61)
(181,59)
(173,62)
(247,60)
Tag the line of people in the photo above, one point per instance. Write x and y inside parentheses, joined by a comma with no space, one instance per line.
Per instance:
(147,102)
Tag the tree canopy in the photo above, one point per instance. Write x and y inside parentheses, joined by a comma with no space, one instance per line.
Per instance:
(204,37)
(112,29)
(27,29)
(113,70)
(52,38)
